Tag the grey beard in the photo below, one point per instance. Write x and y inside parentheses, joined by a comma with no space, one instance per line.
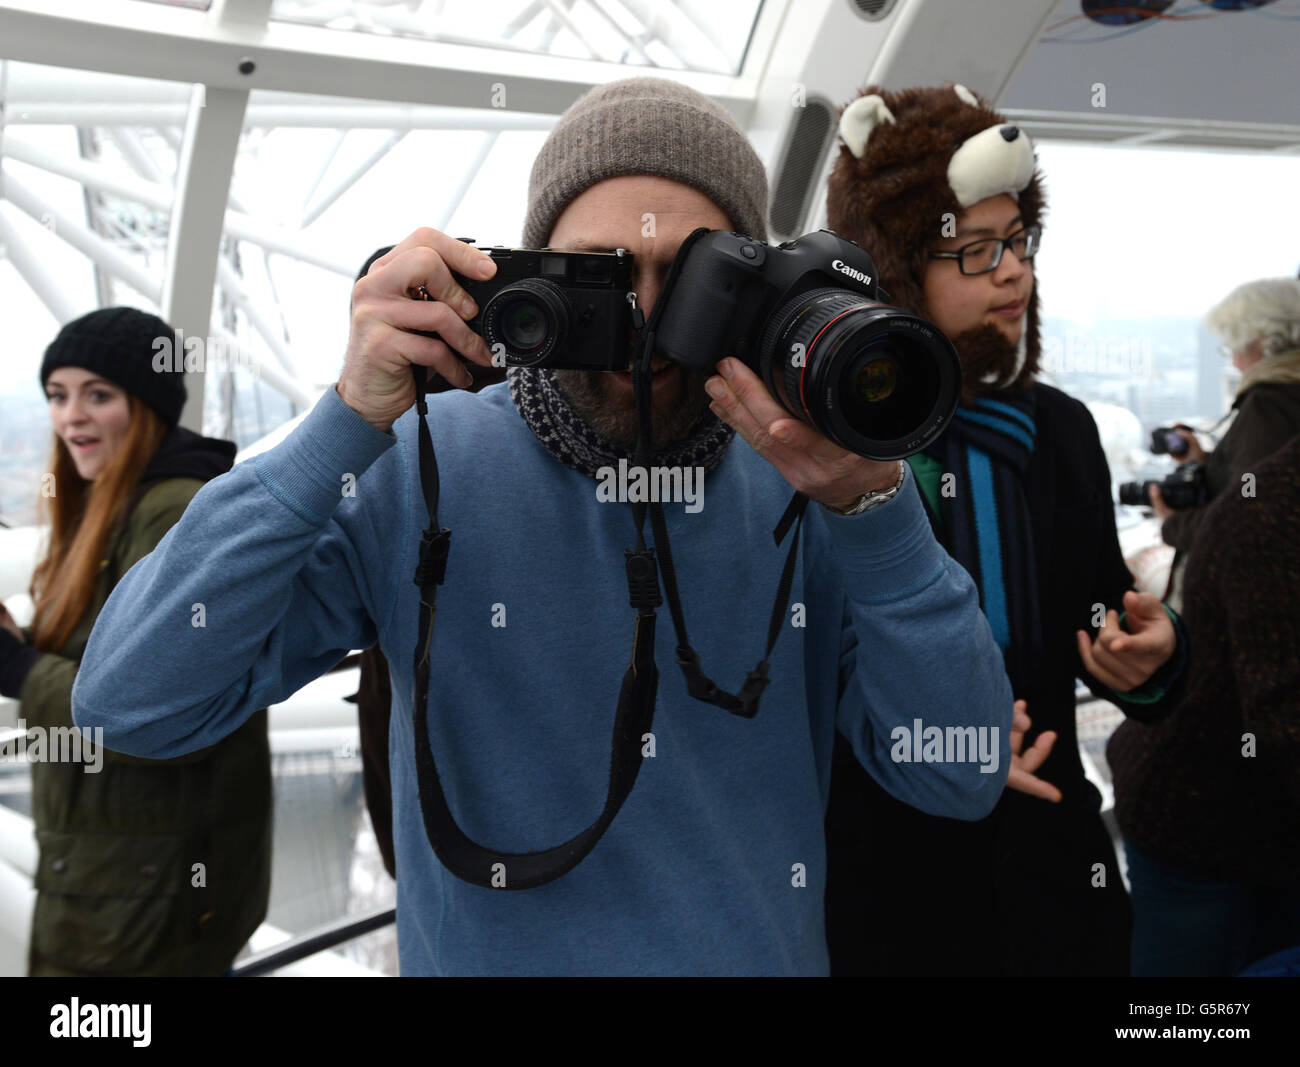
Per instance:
(583,390)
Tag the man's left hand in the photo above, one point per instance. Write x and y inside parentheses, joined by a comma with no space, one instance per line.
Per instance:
(811,463)
(1125,660)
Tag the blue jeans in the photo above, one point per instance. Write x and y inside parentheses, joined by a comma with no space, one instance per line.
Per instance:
(1184,925)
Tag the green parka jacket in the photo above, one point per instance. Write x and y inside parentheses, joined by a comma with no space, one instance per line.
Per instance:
(147,867)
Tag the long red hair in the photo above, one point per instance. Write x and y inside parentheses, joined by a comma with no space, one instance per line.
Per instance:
(82,517)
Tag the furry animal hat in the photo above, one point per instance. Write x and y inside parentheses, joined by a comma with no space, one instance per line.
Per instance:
(912,162)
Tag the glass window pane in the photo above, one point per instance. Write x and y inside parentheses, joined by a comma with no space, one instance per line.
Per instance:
(75,235)
(1135,255)
(699,35)
(335,187)
(198,5)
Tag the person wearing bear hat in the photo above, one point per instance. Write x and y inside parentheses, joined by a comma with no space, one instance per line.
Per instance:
(145,867)
(716,862)
(943,193)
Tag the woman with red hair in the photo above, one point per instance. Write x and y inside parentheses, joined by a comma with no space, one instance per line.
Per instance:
(147,867)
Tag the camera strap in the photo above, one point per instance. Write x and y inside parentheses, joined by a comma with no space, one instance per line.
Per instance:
(465,858)
(1226,416)
(492,869)
(698,684)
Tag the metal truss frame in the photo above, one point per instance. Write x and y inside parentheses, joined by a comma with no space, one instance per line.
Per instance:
(203,68)
(203,80)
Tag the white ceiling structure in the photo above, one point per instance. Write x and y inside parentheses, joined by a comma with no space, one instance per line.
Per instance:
(195,84)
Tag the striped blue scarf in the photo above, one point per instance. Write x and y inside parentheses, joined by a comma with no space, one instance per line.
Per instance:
(985,453)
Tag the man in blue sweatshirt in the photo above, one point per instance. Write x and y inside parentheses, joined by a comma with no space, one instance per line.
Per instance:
(716,862)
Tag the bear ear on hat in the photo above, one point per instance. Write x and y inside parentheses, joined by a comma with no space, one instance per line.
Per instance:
(860,118)
(966,96)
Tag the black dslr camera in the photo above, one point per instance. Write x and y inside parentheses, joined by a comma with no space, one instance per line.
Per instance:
(807,316)
(555,309)
(1167,441)
(1184,488)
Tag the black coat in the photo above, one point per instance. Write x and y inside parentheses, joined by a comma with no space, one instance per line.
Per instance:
(1268,416)
(1019,892)
(1187,789)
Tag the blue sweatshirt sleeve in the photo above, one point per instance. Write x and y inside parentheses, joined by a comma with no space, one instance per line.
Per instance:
(917,653)
(256,591)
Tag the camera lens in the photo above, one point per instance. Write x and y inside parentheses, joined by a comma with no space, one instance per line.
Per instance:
(874,379)
(529,318)
(886,390)
(523,325)
(1134,494)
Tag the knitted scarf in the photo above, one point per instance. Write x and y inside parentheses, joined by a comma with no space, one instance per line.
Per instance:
(987,449)
(565,434)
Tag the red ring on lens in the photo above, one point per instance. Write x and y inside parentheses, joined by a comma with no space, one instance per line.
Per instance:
(808,355)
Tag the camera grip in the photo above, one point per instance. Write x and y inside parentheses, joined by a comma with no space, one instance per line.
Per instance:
(701,325)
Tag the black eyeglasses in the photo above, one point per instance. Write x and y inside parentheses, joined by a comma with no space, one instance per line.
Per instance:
(980,257)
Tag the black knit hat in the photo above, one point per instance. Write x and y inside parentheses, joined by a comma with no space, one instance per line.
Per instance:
(120,344)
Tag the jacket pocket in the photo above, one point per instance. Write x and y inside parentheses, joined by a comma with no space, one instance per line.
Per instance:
(111,903)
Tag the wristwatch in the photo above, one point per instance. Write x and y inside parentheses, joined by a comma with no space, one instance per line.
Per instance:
(876,497)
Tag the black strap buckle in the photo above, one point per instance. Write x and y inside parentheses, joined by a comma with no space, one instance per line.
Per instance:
(432,568)
(642,579)
(699,686)
(750,693)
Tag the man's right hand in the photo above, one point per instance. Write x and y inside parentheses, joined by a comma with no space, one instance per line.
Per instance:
(376,381)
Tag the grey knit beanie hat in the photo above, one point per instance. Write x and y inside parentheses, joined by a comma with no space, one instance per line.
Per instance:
(647,126)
